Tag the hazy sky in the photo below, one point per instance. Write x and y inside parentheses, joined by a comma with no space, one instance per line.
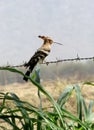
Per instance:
(70,22)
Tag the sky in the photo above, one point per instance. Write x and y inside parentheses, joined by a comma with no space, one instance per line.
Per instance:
(70,22)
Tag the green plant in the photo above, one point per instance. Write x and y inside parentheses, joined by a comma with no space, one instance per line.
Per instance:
(25,116)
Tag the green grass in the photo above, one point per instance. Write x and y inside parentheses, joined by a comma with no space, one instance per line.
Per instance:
(21,115)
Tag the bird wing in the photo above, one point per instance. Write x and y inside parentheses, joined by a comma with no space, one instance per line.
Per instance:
(39,55)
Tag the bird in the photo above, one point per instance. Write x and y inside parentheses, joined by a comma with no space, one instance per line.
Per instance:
(39,55)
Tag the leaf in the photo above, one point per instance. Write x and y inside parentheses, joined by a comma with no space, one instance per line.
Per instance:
(36,76)
(65,95)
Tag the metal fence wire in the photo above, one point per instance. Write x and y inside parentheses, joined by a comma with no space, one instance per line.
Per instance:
(55,61)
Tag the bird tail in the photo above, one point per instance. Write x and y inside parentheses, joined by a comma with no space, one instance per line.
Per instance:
(26,74)
(30,70)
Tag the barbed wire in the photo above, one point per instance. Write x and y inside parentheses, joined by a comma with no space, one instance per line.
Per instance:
(73,59)
(51,62)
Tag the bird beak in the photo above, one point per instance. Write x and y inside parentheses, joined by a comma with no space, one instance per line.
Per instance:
(58,43)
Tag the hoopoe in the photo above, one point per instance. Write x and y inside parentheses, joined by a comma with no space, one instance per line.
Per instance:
(39,55)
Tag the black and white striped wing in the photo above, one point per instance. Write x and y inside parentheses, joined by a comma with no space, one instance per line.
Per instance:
(37,57)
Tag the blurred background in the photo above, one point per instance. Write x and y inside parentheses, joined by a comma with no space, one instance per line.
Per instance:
(70,22)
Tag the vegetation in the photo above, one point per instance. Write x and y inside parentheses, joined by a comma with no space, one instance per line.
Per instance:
(21,115)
